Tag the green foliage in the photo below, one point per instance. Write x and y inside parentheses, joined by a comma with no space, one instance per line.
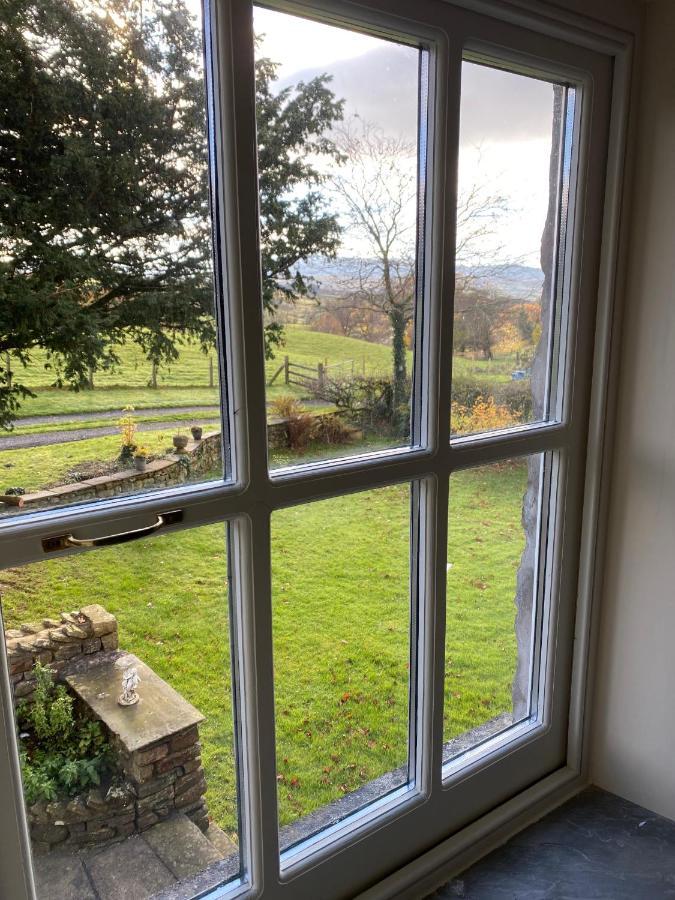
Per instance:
(105,233)
(295,222)
(368,401)
(62,752)
(516,396)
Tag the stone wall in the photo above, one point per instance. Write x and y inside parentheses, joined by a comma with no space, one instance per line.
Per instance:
(57,642)
(160,776)
(153,782)
(199,458)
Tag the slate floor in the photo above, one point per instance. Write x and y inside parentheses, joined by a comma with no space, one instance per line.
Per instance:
(595,847)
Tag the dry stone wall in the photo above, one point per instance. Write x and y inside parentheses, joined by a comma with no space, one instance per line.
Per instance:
(57,643)
(150,782)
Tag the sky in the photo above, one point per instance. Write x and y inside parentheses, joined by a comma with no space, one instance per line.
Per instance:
(505,118)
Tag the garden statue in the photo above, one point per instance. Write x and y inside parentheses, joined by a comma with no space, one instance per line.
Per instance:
(130,681)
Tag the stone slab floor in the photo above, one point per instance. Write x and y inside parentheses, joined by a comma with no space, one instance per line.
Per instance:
(594,847)
(143,866)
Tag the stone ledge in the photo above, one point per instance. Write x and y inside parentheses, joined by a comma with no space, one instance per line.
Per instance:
(161,712)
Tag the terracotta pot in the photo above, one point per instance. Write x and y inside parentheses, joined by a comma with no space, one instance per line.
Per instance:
(180,441)
(197,432)
(140,462)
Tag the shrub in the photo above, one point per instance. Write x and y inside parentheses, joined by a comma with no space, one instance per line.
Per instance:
(367,401)
(300,425)
(332,430)
(484,415)
(62,751)
(517,397)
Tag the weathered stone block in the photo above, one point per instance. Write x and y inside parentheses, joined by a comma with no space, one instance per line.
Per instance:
(49,834)
(191,765)
(147,820)
(110,641)
(141,773)
(151,755)
(20,663)
(68,652)
(187,781)
(24,689)
(174,760)
(184,740)
(155,785)
(99,619)
(91,645)
(155,800)
(189,796)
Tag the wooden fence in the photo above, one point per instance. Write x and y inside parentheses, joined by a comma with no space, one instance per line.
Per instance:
(311,377)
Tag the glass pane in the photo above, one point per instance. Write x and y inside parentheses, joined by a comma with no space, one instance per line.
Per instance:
(493,542)
(130,797)
(341,618)
(338,159)
(514,160)
(106,287)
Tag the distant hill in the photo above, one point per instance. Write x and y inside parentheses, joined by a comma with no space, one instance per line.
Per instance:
(521,283)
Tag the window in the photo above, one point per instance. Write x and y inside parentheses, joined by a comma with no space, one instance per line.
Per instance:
(335,625)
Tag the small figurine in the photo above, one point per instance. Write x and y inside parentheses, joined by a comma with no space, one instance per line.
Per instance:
(130,681)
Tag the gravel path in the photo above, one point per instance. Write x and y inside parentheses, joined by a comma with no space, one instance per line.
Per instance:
(115,414)
(18,441)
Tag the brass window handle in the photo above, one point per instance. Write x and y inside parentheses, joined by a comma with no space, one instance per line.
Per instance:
(64,541)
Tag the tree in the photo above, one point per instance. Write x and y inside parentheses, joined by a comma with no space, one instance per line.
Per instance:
(479,316)
(295,222)
(105,226)
(377,191)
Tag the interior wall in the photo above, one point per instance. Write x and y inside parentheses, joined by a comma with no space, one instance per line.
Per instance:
(633,722)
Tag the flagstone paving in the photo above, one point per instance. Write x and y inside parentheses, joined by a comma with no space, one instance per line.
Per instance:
(142,867)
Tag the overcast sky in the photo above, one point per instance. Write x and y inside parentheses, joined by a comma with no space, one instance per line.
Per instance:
(505,118)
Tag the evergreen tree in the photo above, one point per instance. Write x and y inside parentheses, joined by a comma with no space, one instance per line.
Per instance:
(104,222)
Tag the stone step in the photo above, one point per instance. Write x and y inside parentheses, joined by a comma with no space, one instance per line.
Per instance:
(182,847)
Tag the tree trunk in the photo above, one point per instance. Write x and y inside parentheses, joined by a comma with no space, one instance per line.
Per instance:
(398,324)
(525,587)
(153,375)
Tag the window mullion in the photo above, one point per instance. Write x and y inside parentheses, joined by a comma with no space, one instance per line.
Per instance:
(237,187)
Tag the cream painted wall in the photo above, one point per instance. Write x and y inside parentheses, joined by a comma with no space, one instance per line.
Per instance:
(633,721)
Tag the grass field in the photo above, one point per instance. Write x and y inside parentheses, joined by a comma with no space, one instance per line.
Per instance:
(186,382)
(340,614)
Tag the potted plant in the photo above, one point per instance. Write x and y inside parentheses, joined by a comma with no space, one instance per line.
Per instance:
(141,459)
(127,426)
(180,441)
(197,431)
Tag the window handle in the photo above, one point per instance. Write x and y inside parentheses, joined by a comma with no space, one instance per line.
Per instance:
(64,541)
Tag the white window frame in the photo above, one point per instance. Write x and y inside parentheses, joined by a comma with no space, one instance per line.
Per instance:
(426,816)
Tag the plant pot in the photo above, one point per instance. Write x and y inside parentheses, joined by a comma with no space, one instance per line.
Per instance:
(180,441)
(197,432)
(140,462)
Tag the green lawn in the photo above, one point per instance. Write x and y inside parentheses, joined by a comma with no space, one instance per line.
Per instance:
(38,467)
(185,383)
(340,614)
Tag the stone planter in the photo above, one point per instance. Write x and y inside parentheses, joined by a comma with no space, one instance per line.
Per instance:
(140,462)
(180,441)
(196,432)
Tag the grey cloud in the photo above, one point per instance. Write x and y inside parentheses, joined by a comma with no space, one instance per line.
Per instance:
(381,87)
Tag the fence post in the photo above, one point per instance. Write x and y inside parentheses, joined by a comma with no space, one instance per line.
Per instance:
(286,372)
(8,366)
(321,372)
(210,371)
